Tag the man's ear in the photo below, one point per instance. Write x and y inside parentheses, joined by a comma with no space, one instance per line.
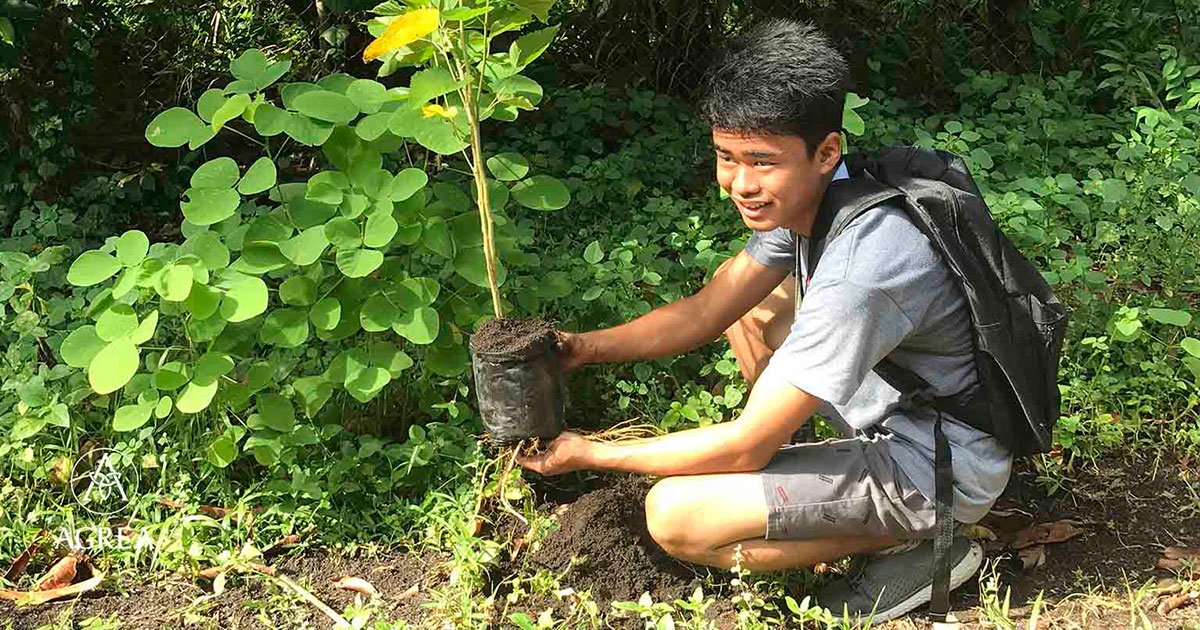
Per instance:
(829,152)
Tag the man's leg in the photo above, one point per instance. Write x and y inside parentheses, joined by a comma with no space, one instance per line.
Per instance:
(702,518)
(756,336)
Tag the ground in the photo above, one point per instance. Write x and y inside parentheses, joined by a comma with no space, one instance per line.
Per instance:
(599,551)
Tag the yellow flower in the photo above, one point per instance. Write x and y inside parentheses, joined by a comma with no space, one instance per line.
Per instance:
(403,31)
(433,109)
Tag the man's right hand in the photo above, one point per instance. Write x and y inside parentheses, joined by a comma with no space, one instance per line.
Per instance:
(574,350)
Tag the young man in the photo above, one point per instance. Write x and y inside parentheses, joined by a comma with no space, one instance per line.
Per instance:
(774,102)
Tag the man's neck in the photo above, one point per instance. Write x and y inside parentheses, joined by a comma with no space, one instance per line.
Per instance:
(808,217)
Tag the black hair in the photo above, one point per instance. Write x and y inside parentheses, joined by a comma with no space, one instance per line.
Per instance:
(777,77)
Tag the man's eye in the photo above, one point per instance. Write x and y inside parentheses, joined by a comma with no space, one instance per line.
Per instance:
(724,158)
(761,163)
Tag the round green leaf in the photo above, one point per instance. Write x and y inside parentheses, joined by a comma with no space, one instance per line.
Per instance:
(174,128)
(230,109)
(327,106)
(209,248)
(209,103)
(245,298)
(171,376)
(81,346)
(381,227)
(276,412)
(326,313)
(419,326)
(249,65)
(306,247)
(470,264)
(116,322)
(113,366)
(92,267)
(357,263)
(378,314)
(196,398)
(368,95)
(146,328)
(390,358)
(286,328)
(259,177)
(373,126)
(1191,345)
(367,383)
(131,417)
(508,167)
(406,183)
(163,408)
(440,135)
(221,172)
(298,291)
(175,283)
(448,361)
(212,366)
(221,452)
(1170,317)
(270,120)
(343,233)
(541,192)
(132,248)
(593,253)
(202,301)
(308,131)
(206,206)
(314,392)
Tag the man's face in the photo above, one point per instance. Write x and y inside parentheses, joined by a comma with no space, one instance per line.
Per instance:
(772,179)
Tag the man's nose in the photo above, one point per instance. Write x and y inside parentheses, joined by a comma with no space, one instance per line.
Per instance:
(745,184)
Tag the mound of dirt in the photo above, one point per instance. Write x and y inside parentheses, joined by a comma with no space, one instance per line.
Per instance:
(607,528)
(511,335)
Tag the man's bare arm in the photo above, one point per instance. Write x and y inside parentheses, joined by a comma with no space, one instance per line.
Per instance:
(689,322)
(775,410)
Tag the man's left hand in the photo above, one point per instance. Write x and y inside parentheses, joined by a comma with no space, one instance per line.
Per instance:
(568,452)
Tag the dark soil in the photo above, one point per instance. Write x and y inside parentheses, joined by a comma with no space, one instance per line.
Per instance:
(512,335)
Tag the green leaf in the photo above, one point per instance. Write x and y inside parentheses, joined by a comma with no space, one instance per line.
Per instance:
(593,253)
(259,177)
(357,263)
(440,135)
(131,417)
(175,127)
(436,237)
(171,376)
(270,120)
(92,267)
(202,301)
(298,291)
(132,248)
(231,109)
(249,65)
(327,106)
(508,167)
(212,366)
(196,398)
(373,126)
(209,103)
(343,233)
(206,206)
(323,191)
(368,95)
(540,8)
(406,183)
(175,283)
(245,298)
(389,357)
(286,328)
(145,329)
(326,313)
(1170,316)
(429,84)
(380,229)
(541,192)
(222,451)
(469,262)
(378,314)
(81,346)
(113,366)
(306,247)
(314,392)
(419,326)
(1114,190)
(532,45)
(276,412)
(308,131)
(116,322)
(1191,345)
(368,383)
(448,361)
(163,408)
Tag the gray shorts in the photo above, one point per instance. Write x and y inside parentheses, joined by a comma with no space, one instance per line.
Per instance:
(846,487)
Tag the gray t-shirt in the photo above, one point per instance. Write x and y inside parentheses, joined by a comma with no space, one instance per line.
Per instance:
(881,289)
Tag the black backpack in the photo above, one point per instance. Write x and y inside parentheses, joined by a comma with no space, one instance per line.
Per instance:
(1018,323)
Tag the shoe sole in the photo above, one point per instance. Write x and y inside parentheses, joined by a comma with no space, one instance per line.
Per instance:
(959,574)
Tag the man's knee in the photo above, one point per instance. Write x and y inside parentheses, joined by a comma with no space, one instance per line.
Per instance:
(668,510)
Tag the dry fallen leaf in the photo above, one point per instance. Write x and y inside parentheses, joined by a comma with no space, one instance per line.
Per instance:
(1032,557)
(38,596)
(975,531)
(1175,601)
(59,575)
(357,585)
(1044,533)
(1182,553)
(411,591)
(17,568)
(1169,564)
